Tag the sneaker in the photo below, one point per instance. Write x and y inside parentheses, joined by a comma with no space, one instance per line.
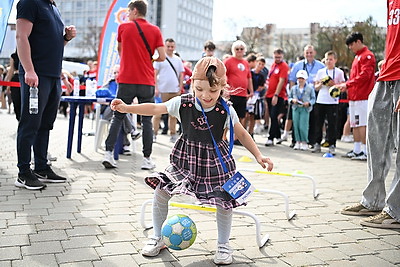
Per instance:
(148,164)
(49,176)
(332,150)
(360,156)
(359,210)
(126,151)
(382,220)
(173,138)
(258,129)
(284,137)
(108,160)
(297,146)
(154,138)
(279,141)
(292,145)
(29,180)
(347,139)
(223,254)
(316,149)
(325,144)
(153,247)
(135,135)
(269,143)
(51,158)
(349,154)
(303,146)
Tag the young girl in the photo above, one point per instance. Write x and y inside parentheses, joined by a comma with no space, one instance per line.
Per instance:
(195,168)
(302,96)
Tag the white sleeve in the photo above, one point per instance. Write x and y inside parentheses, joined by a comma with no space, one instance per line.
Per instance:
(233,116)
(173,106)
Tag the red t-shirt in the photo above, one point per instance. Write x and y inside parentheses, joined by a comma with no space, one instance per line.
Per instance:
(390,69)
(238,75)
(136,66)
(277,71)
(362,75)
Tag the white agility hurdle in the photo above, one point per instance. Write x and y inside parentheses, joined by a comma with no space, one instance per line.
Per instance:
(261,240)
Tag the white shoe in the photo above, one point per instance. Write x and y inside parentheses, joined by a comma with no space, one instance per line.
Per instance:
(148,164)
(154,138)
(297,146)
(173,138)
(135,135)
(223,254)
(303,146)
(127,150)
(347,139)
(269,142)
(258,129)
(108,160)
(284,137)
(153,247)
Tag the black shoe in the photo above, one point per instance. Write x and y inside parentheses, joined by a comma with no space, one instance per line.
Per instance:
(237,142)
(48,176)
(29,181)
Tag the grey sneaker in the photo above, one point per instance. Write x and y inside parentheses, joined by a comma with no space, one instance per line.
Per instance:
(153,247)
(223,255)
(316,149)
(332,150)
(382,220)
(359,210)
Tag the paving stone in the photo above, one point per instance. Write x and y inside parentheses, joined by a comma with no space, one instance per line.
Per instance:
(81,242)
(37,248)
(36,261)
(77,255)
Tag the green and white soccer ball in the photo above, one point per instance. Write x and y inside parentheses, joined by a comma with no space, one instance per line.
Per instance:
(179,232)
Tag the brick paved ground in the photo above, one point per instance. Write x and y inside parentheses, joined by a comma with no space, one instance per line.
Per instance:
(93,219)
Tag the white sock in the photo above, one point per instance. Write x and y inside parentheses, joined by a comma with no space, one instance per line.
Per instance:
(357,147)
(364,148)
(160,210)
(224,223)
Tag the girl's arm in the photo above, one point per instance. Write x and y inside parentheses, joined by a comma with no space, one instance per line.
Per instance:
(146,109)
(248,142)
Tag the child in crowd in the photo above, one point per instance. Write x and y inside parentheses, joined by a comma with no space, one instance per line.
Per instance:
(326,105)
(302,96)
(195,167)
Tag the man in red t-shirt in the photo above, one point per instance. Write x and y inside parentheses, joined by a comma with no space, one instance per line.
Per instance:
(276,93)
(359,86)
(136,76)
(239,79)
(383,136)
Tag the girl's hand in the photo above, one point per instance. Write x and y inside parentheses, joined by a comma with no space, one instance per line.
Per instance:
(261,160)
(118,105)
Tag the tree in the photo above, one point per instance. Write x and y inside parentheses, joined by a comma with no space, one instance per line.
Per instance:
(334,38)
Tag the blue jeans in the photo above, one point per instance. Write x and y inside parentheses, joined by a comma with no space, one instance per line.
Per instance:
(34,129)
(127,92)
(382,137)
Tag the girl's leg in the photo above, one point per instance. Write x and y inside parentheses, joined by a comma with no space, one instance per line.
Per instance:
(224,223)
(160,210)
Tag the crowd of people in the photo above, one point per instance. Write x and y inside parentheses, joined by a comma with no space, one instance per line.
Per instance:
(310,98)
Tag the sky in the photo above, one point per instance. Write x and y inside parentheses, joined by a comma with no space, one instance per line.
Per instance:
(230,16)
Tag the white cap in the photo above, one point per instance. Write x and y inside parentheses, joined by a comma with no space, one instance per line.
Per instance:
(302,74)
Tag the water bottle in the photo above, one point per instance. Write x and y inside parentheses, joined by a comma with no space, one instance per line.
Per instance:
(94,87)
(33,100)
(88,85)
(76,86)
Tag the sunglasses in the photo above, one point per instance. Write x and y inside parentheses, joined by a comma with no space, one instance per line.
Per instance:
(241,48)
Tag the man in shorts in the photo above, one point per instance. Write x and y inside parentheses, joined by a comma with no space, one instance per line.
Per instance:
(359,86)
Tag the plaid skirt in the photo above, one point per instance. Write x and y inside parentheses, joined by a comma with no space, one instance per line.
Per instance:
(196,170)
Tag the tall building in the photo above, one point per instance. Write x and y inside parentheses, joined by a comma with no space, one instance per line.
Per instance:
(188,22)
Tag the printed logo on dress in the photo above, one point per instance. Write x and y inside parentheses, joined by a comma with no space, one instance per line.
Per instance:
(241,67)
